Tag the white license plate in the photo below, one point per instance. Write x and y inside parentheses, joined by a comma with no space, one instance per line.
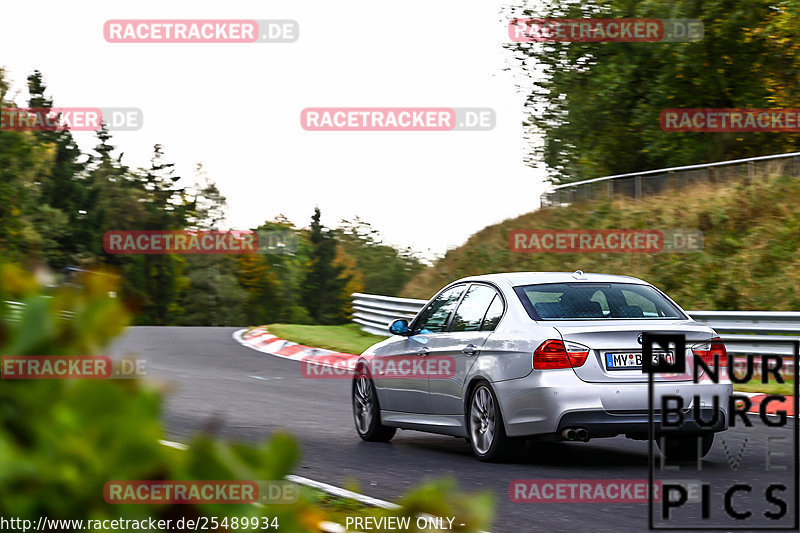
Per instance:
(630,360)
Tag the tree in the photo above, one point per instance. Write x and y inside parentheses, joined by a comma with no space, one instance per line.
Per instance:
(261,286)
(23,160)
(207,205)
(165,207)
(62,188)
(383,268)
(288,264)
(114,199)
(211,294)
(596,106)
(354,276)
(322,289)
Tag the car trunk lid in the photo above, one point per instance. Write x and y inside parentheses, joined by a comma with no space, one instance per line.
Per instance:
(619,339)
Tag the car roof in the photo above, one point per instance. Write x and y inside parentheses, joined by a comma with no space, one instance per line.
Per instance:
(514,279)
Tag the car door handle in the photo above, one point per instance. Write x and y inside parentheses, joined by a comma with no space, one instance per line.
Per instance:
(470,349)
(424,351)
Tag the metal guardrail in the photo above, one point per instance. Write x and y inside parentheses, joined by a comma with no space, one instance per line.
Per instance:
(374,312)
(14,311)
(640,184)
(751,329)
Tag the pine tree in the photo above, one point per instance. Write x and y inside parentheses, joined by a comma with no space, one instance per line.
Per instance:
(322,290)
(63,189)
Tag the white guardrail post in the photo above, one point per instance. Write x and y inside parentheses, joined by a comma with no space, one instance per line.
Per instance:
(374,313)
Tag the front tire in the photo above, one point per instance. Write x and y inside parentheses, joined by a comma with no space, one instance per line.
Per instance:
(685,447)
(366,410)
(487,434)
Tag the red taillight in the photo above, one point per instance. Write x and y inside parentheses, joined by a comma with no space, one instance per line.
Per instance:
(549,355)
(552,354)
(707,351)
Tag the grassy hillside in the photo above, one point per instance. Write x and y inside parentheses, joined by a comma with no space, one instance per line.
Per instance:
(750,260)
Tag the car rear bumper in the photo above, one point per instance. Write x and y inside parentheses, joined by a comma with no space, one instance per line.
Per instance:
(610,424)
(549,401)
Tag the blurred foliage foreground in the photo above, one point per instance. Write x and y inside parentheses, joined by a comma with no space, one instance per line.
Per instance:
(62,440)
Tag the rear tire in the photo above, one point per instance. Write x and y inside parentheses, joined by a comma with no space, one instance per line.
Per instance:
(684,447)
(367,411)
(485,427)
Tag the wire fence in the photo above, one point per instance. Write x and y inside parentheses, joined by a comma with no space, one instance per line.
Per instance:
(652,182)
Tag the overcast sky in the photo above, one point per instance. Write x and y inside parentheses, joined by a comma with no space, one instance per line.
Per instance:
(236,107)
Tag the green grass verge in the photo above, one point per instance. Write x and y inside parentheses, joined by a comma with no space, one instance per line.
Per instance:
(347,338)
(786,389)
(337,507)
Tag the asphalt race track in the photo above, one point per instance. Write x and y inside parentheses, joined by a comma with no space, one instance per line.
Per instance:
(238,393)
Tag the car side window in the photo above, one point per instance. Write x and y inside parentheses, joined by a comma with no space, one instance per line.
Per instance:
(493,314)
(434,318)
(472,308)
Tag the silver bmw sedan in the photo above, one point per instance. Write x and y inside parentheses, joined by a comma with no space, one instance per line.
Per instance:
(502,358)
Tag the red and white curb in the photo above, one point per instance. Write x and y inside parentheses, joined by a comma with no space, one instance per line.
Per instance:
(261,340)
(787,404)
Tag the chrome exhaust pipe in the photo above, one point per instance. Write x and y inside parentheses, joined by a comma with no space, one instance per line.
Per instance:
(582,434)
(569,434)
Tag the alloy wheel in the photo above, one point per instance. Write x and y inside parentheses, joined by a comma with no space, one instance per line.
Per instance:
(364,403)
(482,420)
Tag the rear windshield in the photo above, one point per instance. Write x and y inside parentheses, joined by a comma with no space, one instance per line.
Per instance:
(595,301)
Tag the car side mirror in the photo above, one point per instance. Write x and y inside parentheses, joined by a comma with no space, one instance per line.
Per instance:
(399,327)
